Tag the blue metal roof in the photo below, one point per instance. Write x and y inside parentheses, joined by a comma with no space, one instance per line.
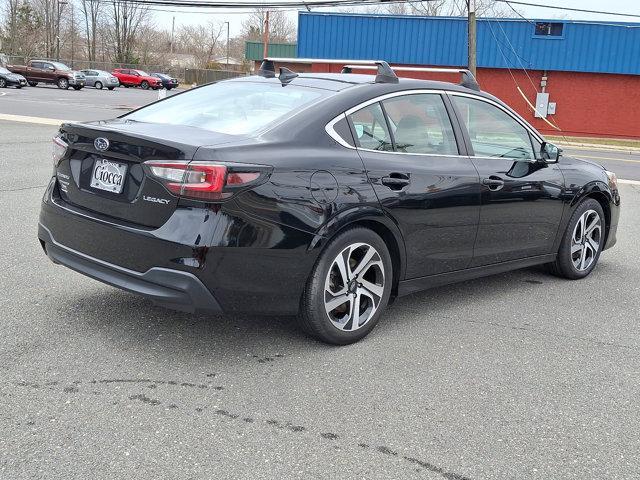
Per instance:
(611,47)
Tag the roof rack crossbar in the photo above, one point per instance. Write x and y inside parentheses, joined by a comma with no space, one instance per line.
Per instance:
(468,79)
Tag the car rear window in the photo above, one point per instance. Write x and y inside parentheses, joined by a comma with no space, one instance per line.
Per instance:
(235,108)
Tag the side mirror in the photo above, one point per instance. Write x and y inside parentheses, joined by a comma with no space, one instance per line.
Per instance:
(549,152)
(52,68)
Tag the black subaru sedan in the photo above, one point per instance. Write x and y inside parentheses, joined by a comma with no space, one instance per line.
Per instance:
(321,195)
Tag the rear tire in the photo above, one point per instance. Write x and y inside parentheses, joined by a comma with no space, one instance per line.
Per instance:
(348,288)
(98,85)
(582,242)
(3,83)
(144,85)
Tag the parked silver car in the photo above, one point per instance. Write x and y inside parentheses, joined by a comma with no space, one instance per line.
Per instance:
(100,79)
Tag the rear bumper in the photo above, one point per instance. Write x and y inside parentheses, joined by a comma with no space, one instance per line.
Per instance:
(165,287)
(244,264)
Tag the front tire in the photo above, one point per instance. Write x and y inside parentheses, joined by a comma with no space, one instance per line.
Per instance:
(32,84)
(3,83)
(582,242)
(111,88)
(63,83)
(98,85)
(76,88)
(348,289)
(144,85)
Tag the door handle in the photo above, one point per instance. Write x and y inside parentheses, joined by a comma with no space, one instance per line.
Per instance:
(396,181)
(494,183)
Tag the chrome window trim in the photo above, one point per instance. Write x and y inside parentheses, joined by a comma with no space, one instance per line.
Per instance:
(334,135)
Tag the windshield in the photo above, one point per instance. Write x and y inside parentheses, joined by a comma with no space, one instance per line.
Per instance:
(4,70)
(235,108)
(60,66)
(142,73)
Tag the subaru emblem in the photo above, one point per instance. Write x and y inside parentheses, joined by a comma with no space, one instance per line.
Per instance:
(101,144)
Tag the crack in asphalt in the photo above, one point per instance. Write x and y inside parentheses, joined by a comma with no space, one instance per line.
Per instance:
(21,188)
(74,388)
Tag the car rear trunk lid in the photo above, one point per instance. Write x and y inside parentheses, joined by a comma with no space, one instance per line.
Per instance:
(103,169)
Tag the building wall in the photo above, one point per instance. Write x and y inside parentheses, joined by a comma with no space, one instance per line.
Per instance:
(611,47)
(588,104)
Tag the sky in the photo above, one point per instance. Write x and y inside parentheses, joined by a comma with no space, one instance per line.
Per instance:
(235,17)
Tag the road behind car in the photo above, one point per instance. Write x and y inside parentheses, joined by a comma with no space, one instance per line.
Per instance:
(520,375)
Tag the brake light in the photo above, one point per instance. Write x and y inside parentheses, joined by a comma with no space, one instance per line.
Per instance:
(58,149)
(199,180)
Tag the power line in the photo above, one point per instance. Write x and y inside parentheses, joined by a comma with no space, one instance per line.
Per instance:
(569,9)
(274,4)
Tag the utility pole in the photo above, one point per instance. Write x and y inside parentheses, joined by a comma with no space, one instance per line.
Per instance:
(471,9)
(173,29)
(60,4)
(265,51)
(227,45)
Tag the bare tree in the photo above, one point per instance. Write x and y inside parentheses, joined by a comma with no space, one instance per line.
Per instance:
(22,31)
(450,8)
(281,28)
(123,24)
(91,10)
(201,41)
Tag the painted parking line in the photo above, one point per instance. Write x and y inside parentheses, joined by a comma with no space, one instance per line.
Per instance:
(615,159)
(38,120)
(629,182)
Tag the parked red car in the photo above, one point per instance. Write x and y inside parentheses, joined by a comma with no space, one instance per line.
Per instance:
(136,78)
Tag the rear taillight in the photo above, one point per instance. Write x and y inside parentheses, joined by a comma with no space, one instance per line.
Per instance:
(58,149)
(202,180)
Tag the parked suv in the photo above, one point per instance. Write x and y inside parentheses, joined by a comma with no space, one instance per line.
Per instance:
(45,71)
(136,78)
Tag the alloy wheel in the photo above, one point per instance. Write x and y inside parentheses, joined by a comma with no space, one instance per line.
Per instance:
(354,286)
(63,83)
(585,241)
(3,83)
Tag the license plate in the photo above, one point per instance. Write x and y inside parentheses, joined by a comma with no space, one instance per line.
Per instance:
(108,175)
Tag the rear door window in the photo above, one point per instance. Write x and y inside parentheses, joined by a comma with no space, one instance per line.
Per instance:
(370,128)
(420,124)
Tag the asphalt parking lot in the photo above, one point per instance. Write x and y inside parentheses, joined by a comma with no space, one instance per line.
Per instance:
(48,101)
(520,375)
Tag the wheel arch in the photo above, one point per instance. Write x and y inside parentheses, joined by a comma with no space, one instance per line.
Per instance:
(373,219)
(600,192)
